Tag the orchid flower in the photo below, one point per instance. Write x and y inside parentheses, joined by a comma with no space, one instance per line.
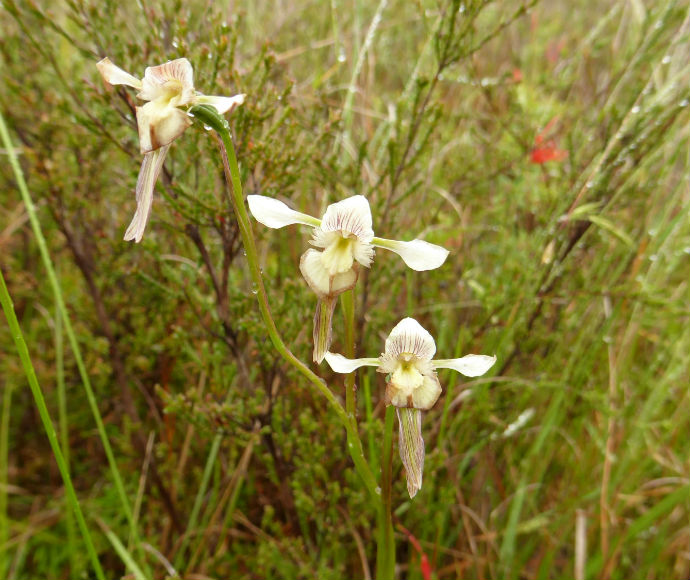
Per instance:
(345,241)
(169,90)
(412,385)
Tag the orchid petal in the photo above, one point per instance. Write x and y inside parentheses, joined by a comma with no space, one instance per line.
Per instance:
(341,364)
(338,257)
(397,396)
(318,278)
(148,175)
(352,215)
(472,365)
(275,214)
(221,104)
(417,254)
(171,79)
(409,336)
(114,75)
(159,125)
(425,397)
(406,377)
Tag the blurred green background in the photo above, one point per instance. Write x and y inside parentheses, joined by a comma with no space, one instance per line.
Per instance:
(545,144)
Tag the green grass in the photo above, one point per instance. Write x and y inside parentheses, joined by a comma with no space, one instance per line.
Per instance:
(573,272)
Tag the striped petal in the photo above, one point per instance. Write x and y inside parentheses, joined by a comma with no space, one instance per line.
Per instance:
(411,447)
(410,337)
(352,215)
(171,80)
(148,175)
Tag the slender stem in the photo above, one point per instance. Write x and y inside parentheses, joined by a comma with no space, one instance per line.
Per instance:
(199,500)
(23,352)
(385,557)
(64,432)
(347,299)
(71,335)
(209,117)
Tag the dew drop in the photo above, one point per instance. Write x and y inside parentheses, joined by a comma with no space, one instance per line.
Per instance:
(207,128)
(175,44)
(666,59)
(635,109)
(683,103)
(377,489)
(653,258)
(341,56)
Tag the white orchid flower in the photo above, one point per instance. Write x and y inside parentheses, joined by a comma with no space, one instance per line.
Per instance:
(407,359)
(169,90)
(345,241)
(412,385)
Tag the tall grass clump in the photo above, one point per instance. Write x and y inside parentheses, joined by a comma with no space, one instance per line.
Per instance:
(193,430)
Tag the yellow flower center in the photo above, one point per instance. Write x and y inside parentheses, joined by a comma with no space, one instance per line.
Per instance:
(171,92)
(406,374)
(338,257)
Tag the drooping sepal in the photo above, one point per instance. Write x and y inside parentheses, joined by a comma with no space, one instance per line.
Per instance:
(411,447)
(323,327)
(151,167)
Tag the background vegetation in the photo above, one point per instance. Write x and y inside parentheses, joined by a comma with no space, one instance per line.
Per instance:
(545,144)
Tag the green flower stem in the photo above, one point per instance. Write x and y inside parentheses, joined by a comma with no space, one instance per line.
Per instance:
(71,336)
(211,118)
(385,556)
(64,432)
(347,299)
(199,500)
(23,352)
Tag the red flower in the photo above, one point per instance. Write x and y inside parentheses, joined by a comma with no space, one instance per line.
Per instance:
(545,149)
(424,564)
